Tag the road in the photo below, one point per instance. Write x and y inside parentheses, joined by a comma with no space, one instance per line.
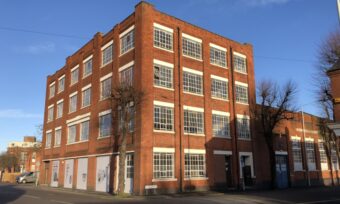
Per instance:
(27,194)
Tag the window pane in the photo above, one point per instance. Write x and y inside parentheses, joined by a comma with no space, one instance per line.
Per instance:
(127,42)
(162,39)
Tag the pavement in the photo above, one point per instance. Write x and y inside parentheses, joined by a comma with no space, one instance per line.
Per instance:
(28,193)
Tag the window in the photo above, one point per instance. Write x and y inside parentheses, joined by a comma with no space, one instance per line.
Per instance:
(194,165)
(126,76)
(73,102)
(86,97)
(219,88)
(60,108)
(297,156)
(241,93)
(107,54)
(163,118)
(50,113)
(240,63)
(72,132)
(105,86)
(193,122)
(162,37)
(221,127)
(52,90)
(74,75)
(127,40)
(218,56)
(57,136)
(61,84)
(192,83)
(163,165)
(131,125)
(163,75)
(192,47)
(310,154)
(323,156)
(335,161)
(84,130)
(48,139)
(105,125)
(243,127)
(87,67)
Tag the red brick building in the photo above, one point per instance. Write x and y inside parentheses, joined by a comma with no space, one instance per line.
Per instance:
(27,152)
(334,75)
(192,131)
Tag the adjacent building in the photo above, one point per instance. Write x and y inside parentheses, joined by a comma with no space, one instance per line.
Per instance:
(192,131)
(334,75)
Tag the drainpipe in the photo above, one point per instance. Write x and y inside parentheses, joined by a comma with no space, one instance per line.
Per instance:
(305,153)
(180,111)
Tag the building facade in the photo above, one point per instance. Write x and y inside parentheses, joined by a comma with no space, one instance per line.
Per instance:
(334,75)
(192,130)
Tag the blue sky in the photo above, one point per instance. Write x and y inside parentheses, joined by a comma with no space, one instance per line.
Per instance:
(285,35)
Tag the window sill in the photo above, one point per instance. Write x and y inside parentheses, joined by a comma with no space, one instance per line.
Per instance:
(56,146)
(244,139)
(161,87)
(85,106)
(48,148)
(200,60)
(196,178)
(127,51)
(220,99)
(103,65)
(59,117)
(201,95)
(87,75)
(83,141)
(103,99)
(103,137)
(60,92)
(195,134)
(164,131)
(164,180)
(73,84)
(217,65)
(221,137)
(246,104)
(245,73)
(171,51)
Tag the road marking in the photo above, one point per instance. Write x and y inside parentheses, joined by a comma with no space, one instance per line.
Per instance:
(30,196)
(320,201)
(57,201)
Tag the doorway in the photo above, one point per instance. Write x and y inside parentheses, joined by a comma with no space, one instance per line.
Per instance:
(228,175)
(129,173)
(281,171)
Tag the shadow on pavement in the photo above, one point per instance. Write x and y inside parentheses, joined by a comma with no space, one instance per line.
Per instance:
(9,193)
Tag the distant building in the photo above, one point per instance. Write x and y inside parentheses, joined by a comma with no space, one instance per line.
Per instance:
(27,152)
(334,75)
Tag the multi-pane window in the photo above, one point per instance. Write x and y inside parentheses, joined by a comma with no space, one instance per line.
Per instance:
(84,130)
(52,90)
(163,118)
(335,161)
(50,114)
(87,68)
(218,57)
(310,154)
(243,127)
(240,64)
(60,108)
(163,165)
(193,122)
(107,54)
(72,132)
(126,76)
(323,155)
(219,88)
(74,75)
(105,86)
(297,155)
(57,138)
(105,125)
(86,97)
(194,165)
(192,48)
(48,140)
(221,127)
(192,83)
(163,75)
(61,84)
(129,165)
(73,103)
(127,42)
(162,37)
(241,93)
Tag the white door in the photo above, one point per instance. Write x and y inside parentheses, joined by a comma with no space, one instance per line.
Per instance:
(82,174)
(103,174)
(129,173)
(55,174)
(68,173)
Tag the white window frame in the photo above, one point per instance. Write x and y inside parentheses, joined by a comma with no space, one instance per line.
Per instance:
(164,68)
(297,165)
(167,106)
(217,94)
(221,50)
(73,70)
(83,90)
(74,94)
(323,155)
(186,84)
(57,138)
(105,49)
(130,46)
(52,90)
(236,67)
(68,133)
(62,78)
(310,151)
(188,175)
(102,79)
(60,112)
(240,117)
(196,111)
(81,131)
(161,151)
(48,141)
(241,99)
(195,41)
(166,32)
(50,113)
(102,114)
(85,63)
(224,115)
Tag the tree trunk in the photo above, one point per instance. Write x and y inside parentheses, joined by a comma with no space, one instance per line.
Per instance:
(122,158)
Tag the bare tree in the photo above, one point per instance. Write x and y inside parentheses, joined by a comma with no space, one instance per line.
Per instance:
(125,100)
(8,161)
(276,105)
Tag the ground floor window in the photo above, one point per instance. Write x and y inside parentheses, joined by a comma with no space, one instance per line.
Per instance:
(163,165)
(194,165)
(297,156)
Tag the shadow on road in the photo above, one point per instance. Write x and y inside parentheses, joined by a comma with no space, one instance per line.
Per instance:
(9,193)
